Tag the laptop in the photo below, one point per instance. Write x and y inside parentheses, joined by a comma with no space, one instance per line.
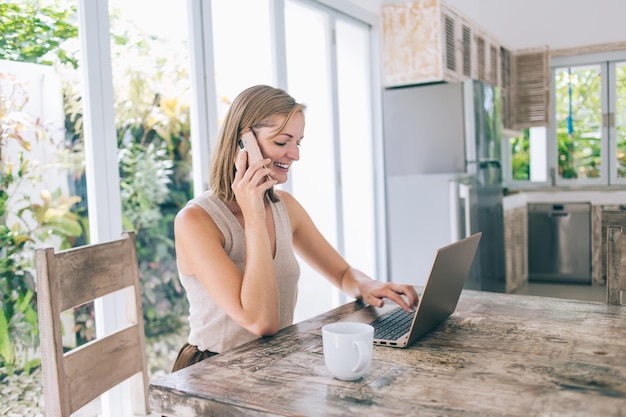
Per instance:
(395,327)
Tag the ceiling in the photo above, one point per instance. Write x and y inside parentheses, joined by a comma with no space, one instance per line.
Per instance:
(521,24)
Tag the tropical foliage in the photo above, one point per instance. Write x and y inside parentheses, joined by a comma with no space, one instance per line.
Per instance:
(520,161)
(34,32)
(23,222)
(152,120)
(579,123)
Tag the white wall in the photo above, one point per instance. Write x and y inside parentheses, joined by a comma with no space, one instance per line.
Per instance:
(556,23)
(534,23)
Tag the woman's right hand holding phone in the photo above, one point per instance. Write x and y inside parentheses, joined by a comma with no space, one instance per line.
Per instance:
(251,182)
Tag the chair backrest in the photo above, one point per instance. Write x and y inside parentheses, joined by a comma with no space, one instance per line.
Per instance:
(73,277)
(615,270)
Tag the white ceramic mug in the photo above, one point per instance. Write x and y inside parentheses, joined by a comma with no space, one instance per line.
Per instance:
(348,349)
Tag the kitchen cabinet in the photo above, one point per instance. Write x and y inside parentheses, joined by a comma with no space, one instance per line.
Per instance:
(606,208)
(611,215)
(426,41)
(516,247)
(487,59)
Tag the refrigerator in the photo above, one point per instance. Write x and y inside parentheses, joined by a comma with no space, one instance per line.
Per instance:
(443,178)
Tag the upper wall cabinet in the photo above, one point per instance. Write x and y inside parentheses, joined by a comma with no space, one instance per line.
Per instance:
(426,41)
(488,59)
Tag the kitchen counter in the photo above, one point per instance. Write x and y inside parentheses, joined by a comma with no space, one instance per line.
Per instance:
(596,196)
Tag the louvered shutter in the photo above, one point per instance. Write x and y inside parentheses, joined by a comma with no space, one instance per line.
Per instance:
(466,50)
(505,88)
(530,89)
(450,46)
(481,58)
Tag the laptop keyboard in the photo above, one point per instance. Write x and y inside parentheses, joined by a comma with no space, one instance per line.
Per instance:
(392,325)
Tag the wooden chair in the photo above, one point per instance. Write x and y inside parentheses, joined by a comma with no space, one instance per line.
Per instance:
(70,278)
(615,271)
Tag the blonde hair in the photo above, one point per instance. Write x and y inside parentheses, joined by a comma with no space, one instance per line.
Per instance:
(254,107)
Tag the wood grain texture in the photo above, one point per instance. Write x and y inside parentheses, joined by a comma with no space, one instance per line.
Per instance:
(516,247)
(72,277)
(596,245)
(615,271)
(497,355)
(611,216)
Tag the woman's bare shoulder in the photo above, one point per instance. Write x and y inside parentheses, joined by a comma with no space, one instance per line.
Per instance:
(193,220)
(192,213)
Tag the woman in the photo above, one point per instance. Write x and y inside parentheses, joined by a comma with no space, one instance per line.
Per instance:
(235,243)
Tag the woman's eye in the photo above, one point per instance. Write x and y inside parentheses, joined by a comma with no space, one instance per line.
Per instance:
(280,143)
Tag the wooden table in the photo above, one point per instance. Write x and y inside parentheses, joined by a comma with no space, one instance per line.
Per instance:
(497,355)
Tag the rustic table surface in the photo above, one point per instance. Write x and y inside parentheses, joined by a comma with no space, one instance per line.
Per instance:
(497,355)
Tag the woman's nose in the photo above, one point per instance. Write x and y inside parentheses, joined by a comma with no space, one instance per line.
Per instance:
(293,152)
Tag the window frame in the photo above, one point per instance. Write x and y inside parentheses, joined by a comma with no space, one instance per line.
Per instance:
(607,61)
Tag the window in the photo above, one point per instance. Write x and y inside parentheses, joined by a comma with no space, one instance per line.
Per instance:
(585,142)
(328,69)
(578,116)
(309,74)
(528,156)
(242,48)
(616,120)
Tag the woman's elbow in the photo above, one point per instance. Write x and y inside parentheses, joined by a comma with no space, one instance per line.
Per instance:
(264,329)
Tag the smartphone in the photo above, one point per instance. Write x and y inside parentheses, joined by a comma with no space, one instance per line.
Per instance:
(248,141)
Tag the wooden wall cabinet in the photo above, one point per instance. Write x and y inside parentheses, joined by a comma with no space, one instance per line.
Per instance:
(487,59)
(426,41)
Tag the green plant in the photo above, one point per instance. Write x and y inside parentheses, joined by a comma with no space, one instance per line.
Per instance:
(578,122)
(146,173)
(520,161)
(23,223)
(151,98)
(33,32)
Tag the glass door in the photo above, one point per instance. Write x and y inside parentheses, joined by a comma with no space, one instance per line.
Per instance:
(241,60)
(314,181)
(328,69)
(356,141)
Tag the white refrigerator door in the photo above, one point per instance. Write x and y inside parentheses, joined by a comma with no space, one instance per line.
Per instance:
(419,210)
(460,212)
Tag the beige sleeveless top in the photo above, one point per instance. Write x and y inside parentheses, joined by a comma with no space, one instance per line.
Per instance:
(210,327)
